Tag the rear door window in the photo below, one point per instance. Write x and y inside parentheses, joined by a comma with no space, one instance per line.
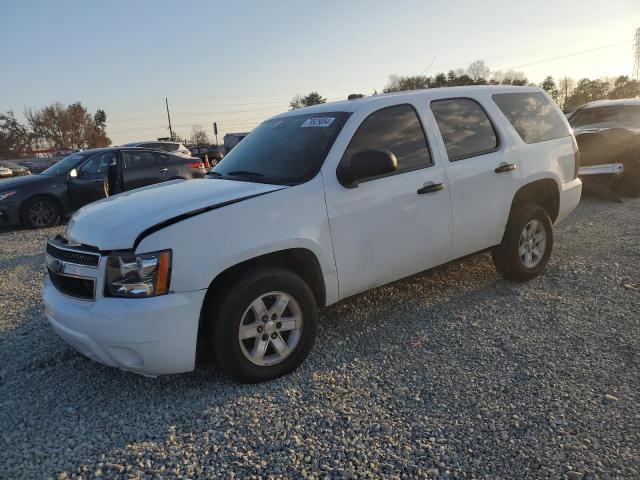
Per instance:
(397,129)
(465,128)
(533,115)
(138,160)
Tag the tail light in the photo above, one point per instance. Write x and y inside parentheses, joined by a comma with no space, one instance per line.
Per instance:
(196,165)
(576,156)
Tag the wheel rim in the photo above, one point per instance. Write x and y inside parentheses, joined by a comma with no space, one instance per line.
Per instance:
(42,213)
(533,242)
(270,329)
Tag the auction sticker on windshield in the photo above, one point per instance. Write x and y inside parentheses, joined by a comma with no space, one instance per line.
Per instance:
(318,122)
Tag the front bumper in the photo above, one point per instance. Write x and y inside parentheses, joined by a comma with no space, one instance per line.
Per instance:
(569,198)
(150,336)
(9,214)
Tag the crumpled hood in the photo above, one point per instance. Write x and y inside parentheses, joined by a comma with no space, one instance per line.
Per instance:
(114,223)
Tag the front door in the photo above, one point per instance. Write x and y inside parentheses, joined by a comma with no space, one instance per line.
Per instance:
(89,183)
(141,169)
(482,171)
(393,226)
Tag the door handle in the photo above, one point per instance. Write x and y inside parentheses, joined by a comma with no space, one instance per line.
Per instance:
(507,167)
(97,180)
(161,170)
(434,187)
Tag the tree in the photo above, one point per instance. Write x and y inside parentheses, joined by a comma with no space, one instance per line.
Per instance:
(312,98)
(14,136)
(587,91)
(59,125)
(199,136)
(400,83)
(623,87)
(565,87)
(549,86)
(478,71)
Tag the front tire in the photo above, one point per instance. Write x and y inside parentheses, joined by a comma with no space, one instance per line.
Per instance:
(526,245)
(263,327)
(40,212)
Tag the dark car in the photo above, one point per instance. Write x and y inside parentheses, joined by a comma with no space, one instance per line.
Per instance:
(39,201)
(608,132)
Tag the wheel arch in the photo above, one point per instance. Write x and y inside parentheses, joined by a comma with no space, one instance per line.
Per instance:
(544,192)
(301,261)
(46,195)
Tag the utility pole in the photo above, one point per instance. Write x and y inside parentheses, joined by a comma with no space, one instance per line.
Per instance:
(166,101)
(636,64)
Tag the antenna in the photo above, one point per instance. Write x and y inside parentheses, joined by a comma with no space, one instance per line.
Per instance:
(166,101)
(636,63)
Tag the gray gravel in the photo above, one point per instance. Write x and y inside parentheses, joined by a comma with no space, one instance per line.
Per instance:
(452,373)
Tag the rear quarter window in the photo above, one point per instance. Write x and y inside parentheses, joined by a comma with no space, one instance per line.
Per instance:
(465,127)
(533,116)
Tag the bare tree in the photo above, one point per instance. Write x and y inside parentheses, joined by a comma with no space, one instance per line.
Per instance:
(565,87)
(199,136)
(478,71)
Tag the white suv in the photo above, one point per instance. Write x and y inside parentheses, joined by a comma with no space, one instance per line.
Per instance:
(314,206)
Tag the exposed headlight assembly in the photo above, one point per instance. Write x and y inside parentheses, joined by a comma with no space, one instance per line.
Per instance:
(138,276)
(5,195)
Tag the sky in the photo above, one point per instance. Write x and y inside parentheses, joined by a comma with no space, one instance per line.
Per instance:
(239,62)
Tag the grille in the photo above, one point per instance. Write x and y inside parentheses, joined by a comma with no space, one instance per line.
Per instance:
(73,256)
(74,287)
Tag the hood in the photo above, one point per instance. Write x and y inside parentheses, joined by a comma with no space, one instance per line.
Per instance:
(16,182)
(115,223)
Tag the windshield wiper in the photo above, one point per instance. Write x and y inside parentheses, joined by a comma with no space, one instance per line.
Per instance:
(211,172)
(245,173)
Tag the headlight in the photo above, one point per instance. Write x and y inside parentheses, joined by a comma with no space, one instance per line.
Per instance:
(138,276)
(5,195)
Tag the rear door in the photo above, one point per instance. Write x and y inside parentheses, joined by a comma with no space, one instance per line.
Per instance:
(482,172)
(141,168)
(89,185)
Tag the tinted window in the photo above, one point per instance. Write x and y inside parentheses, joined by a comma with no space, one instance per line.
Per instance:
(465,128)
(396,129)
(627,116)
(98,164)
(289,149)
(533,115)
(138,160)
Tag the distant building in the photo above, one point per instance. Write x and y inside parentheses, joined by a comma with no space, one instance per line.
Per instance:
(232,139)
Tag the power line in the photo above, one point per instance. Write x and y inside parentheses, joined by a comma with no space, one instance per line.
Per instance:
(567,55)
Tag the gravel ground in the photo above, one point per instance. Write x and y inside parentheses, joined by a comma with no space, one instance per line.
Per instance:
(451,373)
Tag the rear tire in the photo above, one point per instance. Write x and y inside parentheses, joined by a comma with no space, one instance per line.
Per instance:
(250,337)
(526,245)
(40,212)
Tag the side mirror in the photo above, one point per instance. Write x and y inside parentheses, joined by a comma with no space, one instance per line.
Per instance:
(365,164)
(73,173)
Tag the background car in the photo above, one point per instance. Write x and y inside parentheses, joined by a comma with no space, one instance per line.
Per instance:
(5,172)
(202,153)
(17,170)
(39,201)
(176,148)
(608,132)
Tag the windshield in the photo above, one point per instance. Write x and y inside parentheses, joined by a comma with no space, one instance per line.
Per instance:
(627,116)
(285,150)
(64,166)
